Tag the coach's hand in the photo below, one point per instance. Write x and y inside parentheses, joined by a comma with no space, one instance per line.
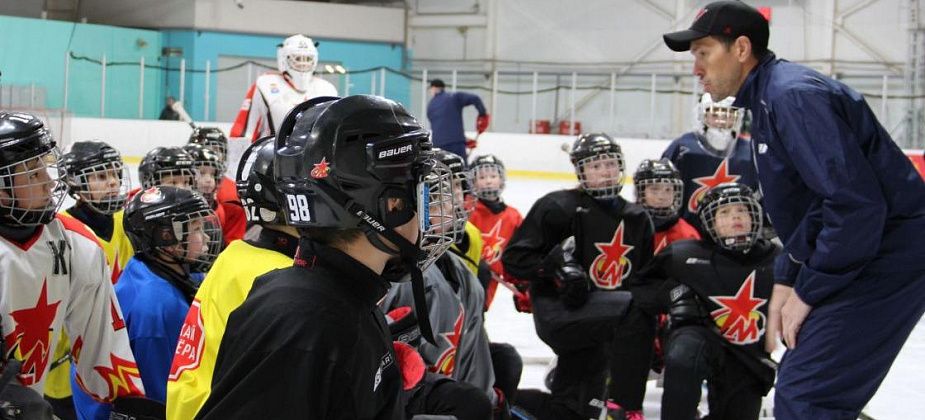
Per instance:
(793,314)
(779,297)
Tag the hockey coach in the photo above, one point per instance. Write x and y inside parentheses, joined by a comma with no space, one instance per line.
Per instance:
(847,204)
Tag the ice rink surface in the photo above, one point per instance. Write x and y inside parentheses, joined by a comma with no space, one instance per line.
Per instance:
(901,396)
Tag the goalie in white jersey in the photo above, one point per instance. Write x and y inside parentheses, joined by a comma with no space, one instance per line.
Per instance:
(271,97)
(53,273)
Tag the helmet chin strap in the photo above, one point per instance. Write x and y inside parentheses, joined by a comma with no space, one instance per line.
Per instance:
(299,80)
(408,252)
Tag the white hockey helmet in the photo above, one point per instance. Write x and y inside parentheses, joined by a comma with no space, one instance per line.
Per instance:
(298,57)
(719,123)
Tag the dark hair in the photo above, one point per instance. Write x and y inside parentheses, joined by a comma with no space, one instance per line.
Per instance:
(758,51)
(437,83)
(331,236)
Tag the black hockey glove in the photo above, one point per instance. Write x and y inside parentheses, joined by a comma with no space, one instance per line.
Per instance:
(570,278)
(137,408)
(403,325)
(684,307)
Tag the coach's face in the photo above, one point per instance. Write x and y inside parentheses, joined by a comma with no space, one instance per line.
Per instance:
(721,69)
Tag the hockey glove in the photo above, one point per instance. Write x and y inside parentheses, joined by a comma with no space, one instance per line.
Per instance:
(403,325)
(521,295)
(572,285)
(684,308)
(471,144)
(410,363)
(137,408)
(482,123)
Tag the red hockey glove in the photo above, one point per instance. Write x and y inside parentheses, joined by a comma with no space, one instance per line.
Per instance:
(482,122)
(521,294)
(410,364)
(471,144)
(403,325)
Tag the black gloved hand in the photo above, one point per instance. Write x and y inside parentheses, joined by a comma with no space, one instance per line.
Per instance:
(684,308)
(572,284)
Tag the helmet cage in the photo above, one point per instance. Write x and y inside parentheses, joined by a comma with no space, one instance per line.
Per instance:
(606,187)
(677,191)
(484,169)
(14,208)
(741,243)
(113,199)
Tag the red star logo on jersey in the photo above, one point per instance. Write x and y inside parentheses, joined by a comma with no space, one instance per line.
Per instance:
(611,266)
(492,244)
(720,176)
(738,318)
(661,244)
(321,169)
(122,378)
(30,340)
(447,360)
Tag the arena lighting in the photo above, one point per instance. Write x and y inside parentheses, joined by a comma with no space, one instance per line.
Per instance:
(328,68)
(340,69)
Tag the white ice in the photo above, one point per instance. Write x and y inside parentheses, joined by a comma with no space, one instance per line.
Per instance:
(900,397)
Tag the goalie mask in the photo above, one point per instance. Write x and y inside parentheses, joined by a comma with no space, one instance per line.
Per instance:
(31,184)
(598,161)
(298,57)
(95,175)
(718,124)
(731,215)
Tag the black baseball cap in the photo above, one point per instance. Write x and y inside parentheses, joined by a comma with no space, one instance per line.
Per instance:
(724,18)
(437,83)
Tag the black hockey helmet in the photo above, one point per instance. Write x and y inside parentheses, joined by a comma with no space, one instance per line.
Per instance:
(662,171)
(27,148)
(89,159)
(724,195)
(162,162)
(161,221)
(204,157)
(256,185)
(485,165)
(598,151)
(340,161)
(213,138)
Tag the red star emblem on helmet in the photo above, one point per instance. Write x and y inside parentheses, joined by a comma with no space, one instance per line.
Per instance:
(720,176)
(738,317)
(321,169)
(611,266)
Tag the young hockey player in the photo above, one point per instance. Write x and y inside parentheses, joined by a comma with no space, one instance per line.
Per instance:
(660,190)
(55,274)
(274,94)
(497,221)
(310,338)
(229,281)
(167,166)
(169,228)
(454,300)
(468,244)
(226,195)
(577,247)
(712,154)
(208,175)
(98,181)
(716,291)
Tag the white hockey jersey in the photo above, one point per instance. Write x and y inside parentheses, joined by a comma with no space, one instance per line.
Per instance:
(268,101)
(58,279)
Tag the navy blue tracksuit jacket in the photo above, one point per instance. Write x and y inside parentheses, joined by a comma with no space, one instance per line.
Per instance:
(445,114)
(850,210)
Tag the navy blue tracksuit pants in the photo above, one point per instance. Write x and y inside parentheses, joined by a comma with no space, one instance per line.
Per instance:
(846,347)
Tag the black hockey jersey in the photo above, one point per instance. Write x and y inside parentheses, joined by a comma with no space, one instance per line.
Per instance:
(308,342)
(614,239)
(733,289)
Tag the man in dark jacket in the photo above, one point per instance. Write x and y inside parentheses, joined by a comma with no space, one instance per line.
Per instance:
(846,203)
(445,114)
